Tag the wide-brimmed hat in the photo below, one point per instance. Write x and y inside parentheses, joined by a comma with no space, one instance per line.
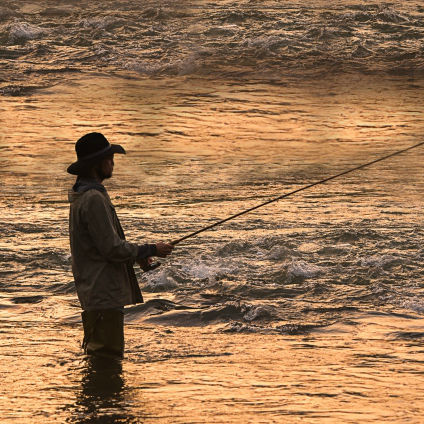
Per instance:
(90,149)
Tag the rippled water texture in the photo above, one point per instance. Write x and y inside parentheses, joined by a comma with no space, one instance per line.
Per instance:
(308,310)
(43,42)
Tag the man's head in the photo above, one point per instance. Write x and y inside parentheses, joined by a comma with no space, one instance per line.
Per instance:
(95,156)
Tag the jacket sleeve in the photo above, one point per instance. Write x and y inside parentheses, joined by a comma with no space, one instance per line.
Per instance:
(99,219)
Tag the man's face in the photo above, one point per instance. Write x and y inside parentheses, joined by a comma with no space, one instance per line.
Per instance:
(106,167)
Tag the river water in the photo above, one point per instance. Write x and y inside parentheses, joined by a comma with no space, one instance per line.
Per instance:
(308,310)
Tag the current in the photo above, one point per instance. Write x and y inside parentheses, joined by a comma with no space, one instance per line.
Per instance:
(309,310)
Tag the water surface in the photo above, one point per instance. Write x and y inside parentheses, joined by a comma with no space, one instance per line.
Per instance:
(308,310)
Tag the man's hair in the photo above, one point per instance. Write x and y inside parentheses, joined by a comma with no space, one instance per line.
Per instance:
(87,171)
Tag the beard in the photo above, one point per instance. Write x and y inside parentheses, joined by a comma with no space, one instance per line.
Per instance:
(102,173)
(105,175)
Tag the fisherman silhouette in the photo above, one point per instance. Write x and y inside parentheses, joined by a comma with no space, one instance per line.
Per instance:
(102,259)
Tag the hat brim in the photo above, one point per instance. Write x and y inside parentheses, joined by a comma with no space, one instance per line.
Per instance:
(81,165)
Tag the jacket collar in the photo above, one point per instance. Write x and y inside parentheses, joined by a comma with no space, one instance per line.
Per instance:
(83,184)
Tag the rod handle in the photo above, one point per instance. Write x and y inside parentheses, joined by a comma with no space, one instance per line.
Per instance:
(155,265)
(151,266)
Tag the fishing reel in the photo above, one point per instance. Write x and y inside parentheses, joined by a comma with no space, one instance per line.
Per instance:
(151,267)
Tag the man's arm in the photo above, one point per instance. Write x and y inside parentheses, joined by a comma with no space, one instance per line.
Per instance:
(99,219)
(162,250)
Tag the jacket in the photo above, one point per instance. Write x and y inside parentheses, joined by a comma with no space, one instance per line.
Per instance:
(102,260)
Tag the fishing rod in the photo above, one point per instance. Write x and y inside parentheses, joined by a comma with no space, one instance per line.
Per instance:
(356,168)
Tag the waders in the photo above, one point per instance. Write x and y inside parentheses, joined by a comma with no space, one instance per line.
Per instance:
(104,333)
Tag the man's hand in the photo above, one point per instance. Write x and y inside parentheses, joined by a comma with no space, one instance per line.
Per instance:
(144,263)
(163,249)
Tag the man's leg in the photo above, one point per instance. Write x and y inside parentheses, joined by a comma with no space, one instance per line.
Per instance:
(104,332)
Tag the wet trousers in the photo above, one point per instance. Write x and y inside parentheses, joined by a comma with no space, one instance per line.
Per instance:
(103,333)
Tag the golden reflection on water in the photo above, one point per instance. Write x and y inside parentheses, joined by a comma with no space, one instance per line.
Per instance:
(342,374)
(167,122)
(199,150)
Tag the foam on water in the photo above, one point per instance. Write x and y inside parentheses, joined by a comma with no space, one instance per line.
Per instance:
(106,23)
(299,269)
(23,31)
(384,261)
(210,271)
(257,312)
(279,253)
(415,305)
(159,281)
(238,327)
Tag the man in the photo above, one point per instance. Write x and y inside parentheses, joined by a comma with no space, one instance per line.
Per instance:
(102,260)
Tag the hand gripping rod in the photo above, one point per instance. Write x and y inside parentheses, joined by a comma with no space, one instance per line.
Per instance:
(175,242)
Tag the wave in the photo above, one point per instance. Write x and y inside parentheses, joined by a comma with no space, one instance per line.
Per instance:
(248,42)
(354,234)
(408,335)
(35,259)
(14,90)
(6,13)
(27,299)
(185,66)
(151,307)
(287,329)
(240,327)
(106,23)
(56,12)
(63,288)
(415,305)
(301,270)
(23,31)
(164,312)
(381,261)
(159,281)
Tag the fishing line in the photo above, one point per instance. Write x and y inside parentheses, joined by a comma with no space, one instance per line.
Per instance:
(356,168)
